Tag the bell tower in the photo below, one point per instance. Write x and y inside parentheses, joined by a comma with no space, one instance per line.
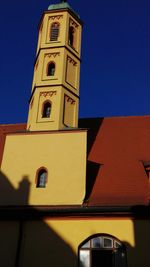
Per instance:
(55,90)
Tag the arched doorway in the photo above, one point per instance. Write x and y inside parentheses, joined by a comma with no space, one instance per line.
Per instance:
(102,250)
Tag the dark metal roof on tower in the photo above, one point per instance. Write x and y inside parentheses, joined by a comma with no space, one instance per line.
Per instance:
(62,5)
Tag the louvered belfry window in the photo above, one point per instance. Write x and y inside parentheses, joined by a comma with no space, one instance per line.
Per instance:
(71,36)
(51,69)
(46,110)
(54,31)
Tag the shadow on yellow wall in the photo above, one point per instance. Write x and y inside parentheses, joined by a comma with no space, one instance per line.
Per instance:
(8,194)
(139,255)
(26,241)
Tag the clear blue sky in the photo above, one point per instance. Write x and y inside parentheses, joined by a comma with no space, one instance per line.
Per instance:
(115,69)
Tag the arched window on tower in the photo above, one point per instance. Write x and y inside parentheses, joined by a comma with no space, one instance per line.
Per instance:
(71,36)
(41,178)
(46,110)
(102,250)
(51,69)
(54,31)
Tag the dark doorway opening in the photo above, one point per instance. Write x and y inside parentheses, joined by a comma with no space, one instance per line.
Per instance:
(102,258)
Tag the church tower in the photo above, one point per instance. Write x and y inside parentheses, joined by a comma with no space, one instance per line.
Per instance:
(55,90)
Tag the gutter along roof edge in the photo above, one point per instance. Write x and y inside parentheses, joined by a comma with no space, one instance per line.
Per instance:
(39,212)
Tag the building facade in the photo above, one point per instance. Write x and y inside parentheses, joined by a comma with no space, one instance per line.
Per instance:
(73,192)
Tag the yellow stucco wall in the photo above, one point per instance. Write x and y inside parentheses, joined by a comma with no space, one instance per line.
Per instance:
(64,156)
(55,242)
(73,232)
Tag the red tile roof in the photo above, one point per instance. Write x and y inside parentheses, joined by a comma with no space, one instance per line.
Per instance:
(117,148)
(117,151)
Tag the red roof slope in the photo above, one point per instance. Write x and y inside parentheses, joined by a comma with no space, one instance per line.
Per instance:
(117,148)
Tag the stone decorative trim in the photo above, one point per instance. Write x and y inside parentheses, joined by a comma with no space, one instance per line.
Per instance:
(73,23)
(70,100)
(56,17)
(72,61)
(48,93)
(53,54)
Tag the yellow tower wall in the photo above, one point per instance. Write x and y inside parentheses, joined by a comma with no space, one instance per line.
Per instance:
(67,69)
(63,79)
(35,120)
(72,72)
(65,19)
(40,71)
(64,111)
(63,154)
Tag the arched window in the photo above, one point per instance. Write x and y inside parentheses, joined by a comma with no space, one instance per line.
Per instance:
(51,69)
(46,110)
(41,178)
(54,31)
(71,36)
(102,250)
